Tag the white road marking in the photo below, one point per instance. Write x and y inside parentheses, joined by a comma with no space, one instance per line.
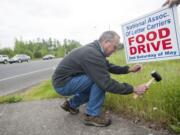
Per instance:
(52,68)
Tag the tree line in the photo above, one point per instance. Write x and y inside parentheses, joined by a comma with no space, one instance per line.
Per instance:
(40,47)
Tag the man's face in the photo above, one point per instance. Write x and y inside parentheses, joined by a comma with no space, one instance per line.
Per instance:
(110,46)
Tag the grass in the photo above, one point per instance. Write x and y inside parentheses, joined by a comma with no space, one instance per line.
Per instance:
(40,92)
(162,101)
(160,104)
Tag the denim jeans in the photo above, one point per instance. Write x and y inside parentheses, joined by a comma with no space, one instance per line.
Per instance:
(84,90)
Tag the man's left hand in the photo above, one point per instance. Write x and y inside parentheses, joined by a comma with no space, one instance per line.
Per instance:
(135,68)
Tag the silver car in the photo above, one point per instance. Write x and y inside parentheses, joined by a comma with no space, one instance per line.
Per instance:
(48,57)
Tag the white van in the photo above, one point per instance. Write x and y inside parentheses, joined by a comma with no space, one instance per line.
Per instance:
(4,59)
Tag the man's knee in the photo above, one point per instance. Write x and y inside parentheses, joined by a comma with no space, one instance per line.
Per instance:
(62,92)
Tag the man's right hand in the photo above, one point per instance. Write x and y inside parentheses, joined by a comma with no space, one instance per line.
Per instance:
(141,89)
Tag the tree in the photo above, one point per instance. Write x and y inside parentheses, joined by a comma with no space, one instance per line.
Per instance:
(40,47)
(7,51)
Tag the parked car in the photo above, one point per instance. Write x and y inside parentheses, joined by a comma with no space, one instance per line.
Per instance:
(4,59)
(18,58)
(48,57)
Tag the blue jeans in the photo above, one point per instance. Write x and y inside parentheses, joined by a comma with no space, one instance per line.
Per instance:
(84,90)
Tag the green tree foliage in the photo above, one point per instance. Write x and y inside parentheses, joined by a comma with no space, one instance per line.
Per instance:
(40,47)
(69,45)
(7,51)
(120,46)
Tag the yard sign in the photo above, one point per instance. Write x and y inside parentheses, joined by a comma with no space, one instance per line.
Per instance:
(152,37)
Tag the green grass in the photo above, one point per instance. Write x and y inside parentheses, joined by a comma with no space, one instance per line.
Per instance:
(162,101)
(40,92)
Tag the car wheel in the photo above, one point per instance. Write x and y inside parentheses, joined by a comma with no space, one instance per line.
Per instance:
(19,61)
(5,62)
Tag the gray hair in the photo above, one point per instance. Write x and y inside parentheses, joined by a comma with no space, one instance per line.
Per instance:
(108,36)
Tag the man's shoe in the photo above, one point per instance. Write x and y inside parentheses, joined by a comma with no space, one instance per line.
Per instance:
(98,121)
(66,106)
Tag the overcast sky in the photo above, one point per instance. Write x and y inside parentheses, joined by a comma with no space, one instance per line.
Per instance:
(81,20)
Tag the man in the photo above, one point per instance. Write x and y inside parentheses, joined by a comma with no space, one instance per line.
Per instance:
(84,73)
(170,3)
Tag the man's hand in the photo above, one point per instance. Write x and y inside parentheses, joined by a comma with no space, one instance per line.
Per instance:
(141,89)
(171,3)
(135,68)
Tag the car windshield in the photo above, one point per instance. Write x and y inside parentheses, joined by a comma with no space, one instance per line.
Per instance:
(47,55)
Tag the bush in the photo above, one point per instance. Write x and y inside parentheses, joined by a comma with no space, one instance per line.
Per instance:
(37,55)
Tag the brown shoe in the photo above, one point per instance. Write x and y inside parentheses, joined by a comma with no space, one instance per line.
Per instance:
(98,121)
(66,106)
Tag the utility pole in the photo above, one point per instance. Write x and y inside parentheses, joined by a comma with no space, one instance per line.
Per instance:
(109,27)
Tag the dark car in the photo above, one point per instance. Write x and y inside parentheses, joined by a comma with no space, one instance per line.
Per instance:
(18,58)
(48,57)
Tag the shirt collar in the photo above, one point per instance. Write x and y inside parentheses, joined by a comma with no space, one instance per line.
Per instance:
(102,50)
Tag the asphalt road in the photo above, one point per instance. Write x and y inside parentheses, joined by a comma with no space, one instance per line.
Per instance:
(18,76)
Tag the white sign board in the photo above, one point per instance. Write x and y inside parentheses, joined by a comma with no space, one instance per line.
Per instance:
(152,37)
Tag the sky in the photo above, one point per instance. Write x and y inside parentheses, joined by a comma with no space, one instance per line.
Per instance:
(80,20)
